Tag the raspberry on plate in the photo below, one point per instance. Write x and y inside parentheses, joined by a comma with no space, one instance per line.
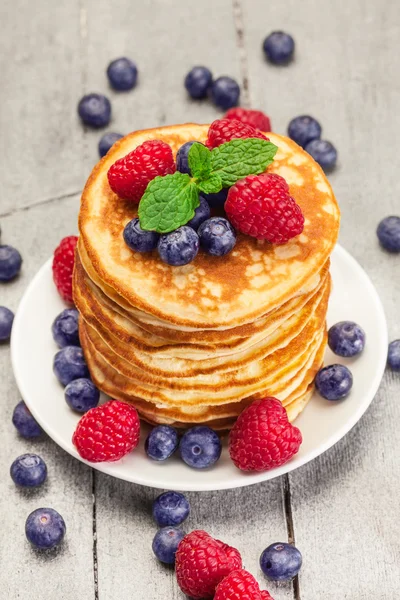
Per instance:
(240,584)
(107,432)
(63,266)
(262,437)
(254,118)
(261,206)
(202,563)
(225,130)
(129,176)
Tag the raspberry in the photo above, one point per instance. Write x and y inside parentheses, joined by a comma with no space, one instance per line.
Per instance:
(129,176)
(261,206)
(262,437)
(63,266)
(240,585)
(202,563)
(225,130)
(107,432)
(254,118)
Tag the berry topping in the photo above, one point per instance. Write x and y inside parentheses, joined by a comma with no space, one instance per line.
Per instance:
(225,92)
(281,561)
(202,563)
(95,110)
(107,432)
(182,157)
(10,263)
(279,47)
(107,141)
(139,239)
(389,234)
(323,152)
(217,200)
(161,442)
(65,328)
(28,470)
(254,118)
(346,338)
(217,236)
(24,422)
(200,447)
(69,364)
(198,82)
(170,508)
(225,130)
(304,129)
(261,206)
(129,176)
(240,585)
(45,528)
(262,437)
(63,266)
(122,74)
(201,214)
(179,247)
(81,395)
(334,382)
(166,542)
(394,355)
(6,323)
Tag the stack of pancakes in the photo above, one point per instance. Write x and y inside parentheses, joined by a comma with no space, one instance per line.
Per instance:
(196,344)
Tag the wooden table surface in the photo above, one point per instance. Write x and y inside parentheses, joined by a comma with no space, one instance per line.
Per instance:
(342,508)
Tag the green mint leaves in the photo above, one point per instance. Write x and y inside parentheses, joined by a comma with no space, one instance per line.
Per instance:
(170,201)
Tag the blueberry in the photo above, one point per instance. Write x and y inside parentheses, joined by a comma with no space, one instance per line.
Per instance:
(122,74)
(95,110)
(281,561)
(304,129)
(139,239)
(394,355)
(107,141)
(217,236)
(65,328)
(278,47)
(81,395)
(225,92)
(323,152)
(161,442)
(201,214)
(69,364)
(200,447)
(170,508)
(179,247)
(6,322)
(28,470)
(389,233)
(166,542)
(346,338)
(45,528)
(217,200)
(24,422)
(10,263)
(198,82)
(182,158)
(334,382)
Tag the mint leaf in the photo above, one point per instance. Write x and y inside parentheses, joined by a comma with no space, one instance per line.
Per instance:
(199,159)
(168,203)
(211,185)
(241,157)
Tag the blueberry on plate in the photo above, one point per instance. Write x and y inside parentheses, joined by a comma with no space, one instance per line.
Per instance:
(45,528)
(179,247)
(200,447)
(198,82)
(170,508)
(10,263)
(182,158)
(201,214)
(323,152)
(95,110)
(122,74)
(388,233)
(161,442)
(6,323)
(217,200)
(304,129)
(334,382)
(225,92)
(107,141)
(28,470)
(24,422)
(217,236)
(69,364)
(65,328)
(278,47)
(281,561)
(139,239)
(81,395)
(166,542)
(346,338)
(394,355)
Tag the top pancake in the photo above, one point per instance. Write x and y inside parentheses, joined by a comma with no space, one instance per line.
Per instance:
(211,292)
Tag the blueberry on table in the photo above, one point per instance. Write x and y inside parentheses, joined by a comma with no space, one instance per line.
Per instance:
(10,263)
(161,442)
(334,382)
(139,239)
(323,152)
(179,247)
(170,508)
(346,338)
(198,82)
(304,129)
(95,110)
(107,141)
(122,74)
(278,47)
(280,561)
(201,214)
(225,92)
(24,422)
(65,328)
(166,542)
(6,323)
(28,470)
(69,364)
(200,447)
(388,233)
(45,528)
(394,355)
(81,395)
(217,236)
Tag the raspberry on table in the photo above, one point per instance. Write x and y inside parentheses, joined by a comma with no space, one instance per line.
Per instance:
(261,206)
(254,118)
(240,584)
(129,176)
(225,130)
(63,266)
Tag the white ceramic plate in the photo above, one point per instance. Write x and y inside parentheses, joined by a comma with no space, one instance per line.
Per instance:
(322,423)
